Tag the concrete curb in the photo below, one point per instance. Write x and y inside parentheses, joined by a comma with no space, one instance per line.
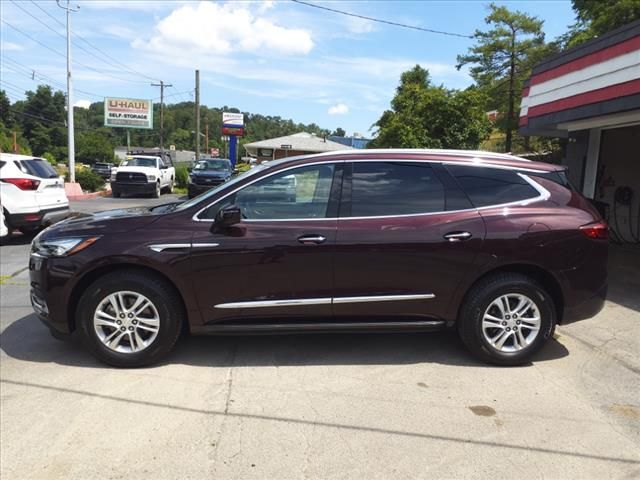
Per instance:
(74,192)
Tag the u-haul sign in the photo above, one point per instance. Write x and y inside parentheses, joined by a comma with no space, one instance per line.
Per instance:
(128,113)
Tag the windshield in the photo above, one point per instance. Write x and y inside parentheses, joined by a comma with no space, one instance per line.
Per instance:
(213,165)
(213,191)
(140,162)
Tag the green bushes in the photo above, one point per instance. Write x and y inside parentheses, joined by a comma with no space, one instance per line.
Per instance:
(182,176)
(88,180)
(48,156)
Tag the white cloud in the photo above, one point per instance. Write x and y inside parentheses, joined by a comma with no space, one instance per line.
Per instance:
(82,104)
(210,28)
(11,46)
(339,109)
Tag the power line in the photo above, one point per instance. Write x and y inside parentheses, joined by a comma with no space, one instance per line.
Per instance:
(117,62)
(33,74)
(388,22)
(75,61)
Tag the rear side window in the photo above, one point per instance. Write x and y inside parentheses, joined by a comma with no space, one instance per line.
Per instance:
(37,167)
(385,188)
(492,186)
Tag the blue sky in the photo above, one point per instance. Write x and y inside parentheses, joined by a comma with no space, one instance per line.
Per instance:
(269,57)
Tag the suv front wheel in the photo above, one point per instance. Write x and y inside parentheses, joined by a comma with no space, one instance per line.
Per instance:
(130,319)
(506,318)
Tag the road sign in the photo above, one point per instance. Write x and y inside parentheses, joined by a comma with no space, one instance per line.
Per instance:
(128,113)
(285,147)
(236,119)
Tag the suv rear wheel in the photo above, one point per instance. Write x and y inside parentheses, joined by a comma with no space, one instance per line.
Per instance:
(158,190)
(506,318)
(130,319)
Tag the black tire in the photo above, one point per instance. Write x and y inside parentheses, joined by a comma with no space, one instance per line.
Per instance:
(115,193)
(165,299)
(158,191)
(29,231)
(478,300)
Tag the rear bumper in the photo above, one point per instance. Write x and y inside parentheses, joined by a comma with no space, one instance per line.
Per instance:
(39,218)
(587,308)
(149,187)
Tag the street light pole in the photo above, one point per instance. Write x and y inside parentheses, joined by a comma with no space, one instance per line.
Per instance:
(70,134)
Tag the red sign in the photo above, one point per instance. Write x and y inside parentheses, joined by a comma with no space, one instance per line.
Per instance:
(235,131)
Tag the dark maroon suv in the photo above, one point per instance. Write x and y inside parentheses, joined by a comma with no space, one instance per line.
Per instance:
(500,248)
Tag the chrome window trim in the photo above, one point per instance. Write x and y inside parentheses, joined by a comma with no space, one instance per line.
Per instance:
(323,301)
(543,192)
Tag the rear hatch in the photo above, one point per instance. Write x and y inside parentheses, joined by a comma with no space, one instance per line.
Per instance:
(50,192)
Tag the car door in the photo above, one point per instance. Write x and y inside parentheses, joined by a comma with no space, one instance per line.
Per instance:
(406,236)
(162,170)
(277,262)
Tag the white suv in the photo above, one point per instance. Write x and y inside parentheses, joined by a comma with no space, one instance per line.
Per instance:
(31,193)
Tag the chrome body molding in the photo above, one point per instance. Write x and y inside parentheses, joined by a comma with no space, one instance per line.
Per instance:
(276,303)
(161,247)
(204,245)
(324,301)
(383,298)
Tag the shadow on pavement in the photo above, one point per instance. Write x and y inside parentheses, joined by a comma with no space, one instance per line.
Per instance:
(27,339)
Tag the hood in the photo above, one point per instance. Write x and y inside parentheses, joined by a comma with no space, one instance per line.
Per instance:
(104,223)
(211,173)
(146,170)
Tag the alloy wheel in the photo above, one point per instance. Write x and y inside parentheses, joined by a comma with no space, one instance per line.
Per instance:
(511,322)
(126,322)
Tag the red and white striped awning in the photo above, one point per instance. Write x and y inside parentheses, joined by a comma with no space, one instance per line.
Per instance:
(591,80)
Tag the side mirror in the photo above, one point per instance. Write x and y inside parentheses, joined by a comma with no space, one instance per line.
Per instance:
(228,216)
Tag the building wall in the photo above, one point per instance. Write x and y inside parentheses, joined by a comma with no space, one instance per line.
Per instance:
(577,157)
(619,165)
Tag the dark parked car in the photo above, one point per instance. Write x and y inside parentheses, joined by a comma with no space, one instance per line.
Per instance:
(102,169)
(500,248)
(208,173)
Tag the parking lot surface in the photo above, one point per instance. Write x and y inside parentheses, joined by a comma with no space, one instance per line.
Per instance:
(321,406)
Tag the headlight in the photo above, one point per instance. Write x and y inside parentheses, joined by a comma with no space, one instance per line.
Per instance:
(60,247)
(151,178)
(113,177)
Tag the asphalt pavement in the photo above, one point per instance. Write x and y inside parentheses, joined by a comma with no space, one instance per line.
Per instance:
(320,406)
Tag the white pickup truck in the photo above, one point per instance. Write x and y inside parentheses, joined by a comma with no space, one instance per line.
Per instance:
(143,173)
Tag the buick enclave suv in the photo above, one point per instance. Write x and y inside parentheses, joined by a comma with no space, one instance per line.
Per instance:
(500,248)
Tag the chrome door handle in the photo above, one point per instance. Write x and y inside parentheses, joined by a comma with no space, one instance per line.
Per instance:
(458,236)
(311,239)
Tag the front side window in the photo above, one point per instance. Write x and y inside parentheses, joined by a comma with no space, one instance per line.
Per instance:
(301,193)
(389,188)
(487,186)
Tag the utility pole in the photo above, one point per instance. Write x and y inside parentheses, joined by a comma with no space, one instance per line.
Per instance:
(15,142)
(161,85)
(70,137)
(197,115)
(206,137)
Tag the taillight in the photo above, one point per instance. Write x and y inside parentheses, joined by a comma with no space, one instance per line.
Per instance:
(597,230)
(23,183)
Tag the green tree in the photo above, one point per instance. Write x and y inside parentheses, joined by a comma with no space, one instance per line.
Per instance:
(426,116)
(502,58)
(92,147)
(597,17)
(339,132)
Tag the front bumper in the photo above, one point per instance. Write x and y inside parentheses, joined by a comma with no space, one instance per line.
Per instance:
(196,189)
(47,297)
(40,218)
(149,187)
